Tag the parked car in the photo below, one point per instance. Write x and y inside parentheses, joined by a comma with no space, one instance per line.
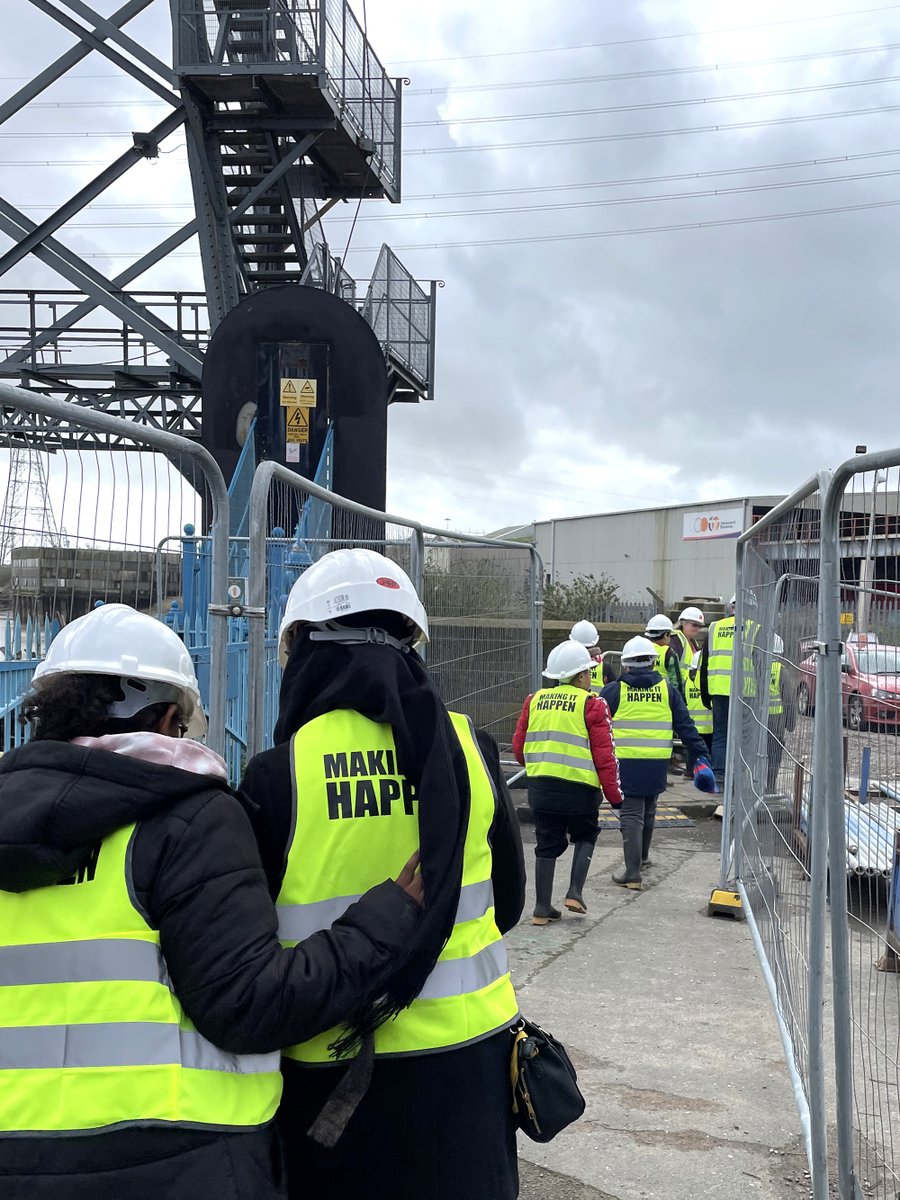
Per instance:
(870,685)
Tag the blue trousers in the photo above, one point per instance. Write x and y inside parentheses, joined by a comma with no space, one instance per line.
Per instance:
(719,735)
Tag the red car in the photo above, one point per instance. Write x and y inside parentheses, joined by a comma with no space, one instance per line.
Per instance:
(870,685)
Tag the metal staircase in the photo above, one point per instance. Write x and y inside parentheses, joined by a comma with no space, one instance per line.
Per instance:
(286,111)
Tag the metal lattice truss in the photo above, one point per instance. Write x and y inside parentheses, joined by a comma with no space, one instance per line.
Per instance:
(285,111)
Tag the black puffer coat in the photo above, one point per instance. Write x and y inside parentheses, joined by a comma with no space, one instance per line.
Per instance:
(196,874)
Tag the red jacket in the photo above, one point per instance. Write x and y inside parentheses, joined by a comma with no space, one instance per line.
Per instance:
(600,735)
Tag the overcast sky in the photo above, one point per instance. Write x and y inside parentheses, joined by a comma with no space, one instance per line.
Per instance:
(657,331)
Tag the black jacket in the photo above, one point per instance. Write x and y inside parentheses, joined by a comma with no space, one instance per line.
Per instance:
(268,786)
(195,872)
(647,776)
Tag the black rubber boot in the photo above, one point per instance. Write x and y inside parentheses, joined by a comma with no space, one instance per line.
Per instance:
(544,911)
(581,861)
(647,837)
(629,876)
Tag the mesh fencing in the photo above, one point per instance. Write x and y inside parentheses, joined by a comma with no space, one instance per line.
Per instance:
(868,792)
(95,510)
(770,751)
(481,596)
(813,806)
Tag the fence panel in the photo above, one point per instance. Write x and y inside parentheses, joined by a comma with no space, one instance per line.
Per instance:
(482,597)
(773,844)
(860,724)
(96,510)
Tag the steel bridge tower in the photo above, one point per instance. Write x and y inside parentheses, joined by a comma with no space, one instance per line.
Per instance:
(286,111)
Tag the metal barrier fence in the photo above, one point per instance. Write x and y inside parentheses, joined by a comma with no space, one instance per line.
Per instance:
(89,499)
(811,816)
(483,598)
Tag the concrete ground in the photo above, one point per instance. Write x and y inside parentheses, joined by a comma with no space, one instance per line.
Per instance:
(667,1019)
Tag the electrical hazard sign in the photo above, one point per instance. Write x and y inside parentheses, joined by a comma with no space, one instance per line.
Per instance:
(298,392)
(297,425)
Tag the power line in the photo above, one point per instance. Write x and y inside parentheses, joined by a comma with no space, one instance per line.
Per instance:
(566,206)
(553,113)
(606,137)
(661,37)
(649,106)
(586,236)
(634,181)
(611,233)
(651,73)
(610,77)
(656,133)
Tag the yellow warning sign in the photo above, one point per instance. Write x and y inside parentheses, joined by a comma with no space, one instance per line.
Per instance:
(298,392)
(297,425)
(847,618)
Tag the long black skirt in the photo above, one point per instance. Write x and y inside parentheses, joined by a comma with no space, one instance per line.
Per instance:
(431,1127)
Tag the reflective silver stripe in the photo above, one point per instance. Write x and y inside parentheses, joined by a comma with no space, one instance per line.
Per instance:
(637,723)
(299,921)
(459,976)
(549,735)
(719,671)
(563,760)
(644,743)
(121,1044)
(82,962)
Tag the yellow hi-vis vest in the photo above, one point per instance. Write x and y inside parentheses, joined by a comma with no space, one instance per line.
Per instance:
(356,822)
(721,657)
(597,678)
(91,1034)
(683,649)
(776,703)
(642,724)
(557,745)
(700,714)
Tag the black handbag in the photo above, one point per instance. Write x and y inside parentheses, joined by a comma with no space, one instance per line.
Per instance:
(545,1090)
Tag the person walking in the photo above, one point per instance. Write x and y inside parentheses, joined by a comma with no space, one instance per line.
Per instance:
(699,712)
(585,633)
(646,709)
(367,765)
(716,663)
(782,715)
(685,639)
(564,740)
(659,632)
(138,942)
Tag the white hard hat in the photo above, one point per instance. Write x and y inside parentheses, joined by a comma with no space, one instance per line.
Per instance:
(567,660)
(733,601)
(638,648)
(348,582)
(692,614)
(151,661)
(585,632)
(658,625)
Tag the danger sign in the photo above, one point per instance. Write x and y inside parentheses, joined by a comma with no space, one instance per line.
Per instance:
(298,392)
(296,425)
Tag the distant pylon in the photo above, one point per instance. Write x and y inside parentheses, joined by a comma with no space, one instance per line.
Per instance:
(27,517)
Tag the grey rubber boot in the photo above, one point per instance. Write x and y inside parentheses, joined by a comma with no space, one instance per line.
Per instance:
(544,911)
(581,862)
(629,876)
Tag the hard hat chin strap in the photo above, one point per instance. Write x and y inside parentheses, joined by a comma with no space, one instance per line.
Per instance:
(369,636)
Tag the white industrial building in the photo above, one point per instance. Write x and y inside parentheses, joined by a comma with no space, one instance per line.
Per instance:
(682,550)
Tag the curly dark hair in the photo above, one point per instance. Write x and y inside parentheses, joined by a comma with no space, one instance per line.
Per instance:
(71,706)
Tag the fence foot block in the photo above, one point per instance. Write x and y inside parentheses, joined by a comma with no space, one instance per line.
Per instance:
(724,903)
(889,961)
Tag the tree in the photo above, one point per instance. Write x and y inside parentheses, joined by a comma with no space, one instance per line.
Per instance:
(583,597)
